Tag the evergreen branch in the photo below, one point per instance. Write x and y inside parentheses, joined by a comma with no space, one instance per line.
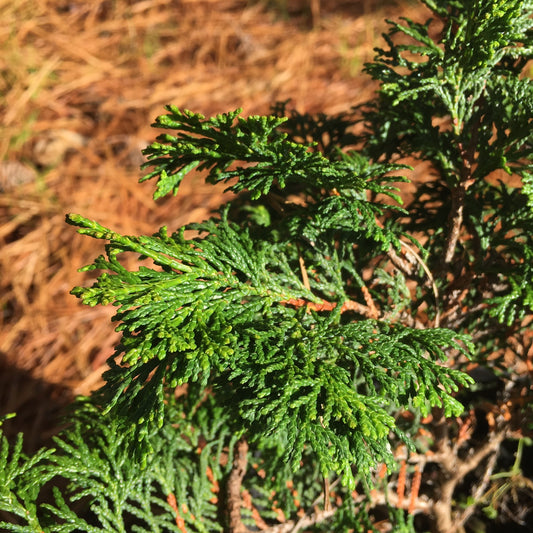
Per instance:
(21,479)
(322,398)
(226,307)
(278,347)
(120,492)
(215,144)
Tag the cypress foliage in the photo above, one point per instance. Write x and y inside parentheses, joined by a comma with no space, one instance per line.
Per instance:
(310,314)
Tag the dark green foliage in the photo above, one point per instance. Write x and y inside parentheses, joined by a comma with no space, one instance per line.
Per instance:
(120,496)
(99,487)
(231,311)
(457,101)
(105,488)
(461,99)
(305,318)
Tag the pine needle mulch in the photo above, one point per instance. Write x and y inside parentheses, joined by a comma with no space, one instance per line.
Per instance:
(81,82)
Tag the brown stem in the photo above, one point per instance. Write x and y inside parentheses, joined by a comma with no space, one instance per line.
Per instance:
(307,520)
(327,488)
(348,305)
(234,502)
(454,471)
(478,492)
(455,221)
(404,265)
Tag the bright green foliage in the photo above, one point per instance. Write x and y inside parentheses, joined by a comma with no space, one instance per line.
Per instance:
(20,481)
(305,317)
(229,310)
(215,144)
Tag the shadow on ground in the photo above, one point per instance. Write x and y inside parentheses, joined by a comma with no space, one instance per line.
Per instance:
(38,406)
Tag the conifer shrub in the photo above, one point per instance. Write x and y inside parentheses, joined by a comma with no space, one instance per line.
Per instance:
(326,353)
